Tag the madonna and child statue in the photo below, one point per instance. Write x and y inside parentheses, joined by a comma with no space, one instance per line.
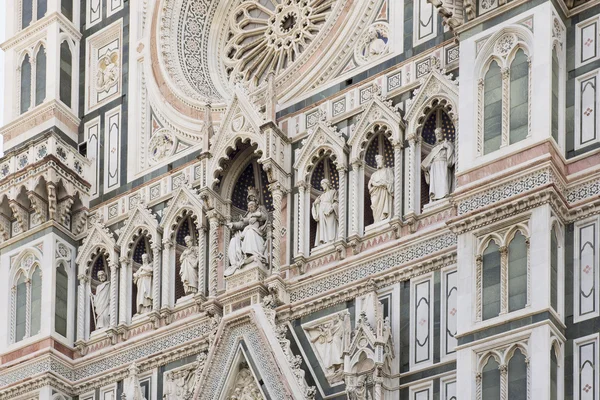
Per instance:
(248,243)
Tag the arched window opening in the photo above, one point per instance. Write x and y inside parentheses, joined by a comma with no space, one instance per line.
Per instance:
(554,269)
(490,380)
(25,84)
(100,290)
(21,308)
(26,13)
(140,302)
(66,62)
(66,8)
(61,300)
(185,229)
(555,94)
(553,374)
(517,272)
(379,180)
(517,376)
(437,166)
(40,76)
(42,7)
(491,281)
(519,97)
(492,109)
(36,302)
(326,229)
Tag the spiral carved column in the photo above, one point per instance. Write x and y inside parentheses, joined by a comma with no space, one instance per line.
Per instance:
(277,194)
(28,308)
(166,273)
(213,260)
(155,277)
(354,180)
(504,280)
(202,261)
(398,180)
(113,294)
(342,203)
(301,217)
(81,306)
(122,299)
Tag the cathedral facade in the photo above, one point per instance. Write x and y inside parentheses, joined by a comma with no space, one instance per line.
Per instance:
(300,199)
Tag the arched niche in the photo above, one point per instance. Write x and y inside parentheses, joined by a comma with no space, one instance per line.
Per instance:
(183,217)
(433,106)
(97,253)
(323,155)
(140,235)
(437,118)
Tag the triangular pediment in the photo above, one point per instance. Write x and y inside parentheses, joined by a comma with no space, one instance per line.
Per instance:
(140,218)
(98,236)
(323,136)
(242,382)
(184,198)
(254,332)
(436,84)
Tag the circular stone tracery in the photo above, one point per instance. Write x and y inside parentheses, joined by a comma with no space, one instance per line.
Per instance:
(265,38)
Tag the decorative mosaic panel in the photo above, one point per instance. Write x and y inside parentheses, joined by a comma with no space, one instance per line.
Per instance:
(586,42)
(338,107)
(423,67)
(112,148)
(421,321)
(155,191)
(586,270)
(487,5)
(365,94)
(586,368)
(365,269)
(586,114)
(312,119)
(450,321)
(394,81)
(452,54)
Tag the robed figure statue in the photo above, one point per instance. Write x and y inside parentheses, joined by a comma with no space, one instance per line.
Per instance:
(436,167)
(249,240)
(143,279)
(325,213)
(101,301)
(188,272)
(381,189)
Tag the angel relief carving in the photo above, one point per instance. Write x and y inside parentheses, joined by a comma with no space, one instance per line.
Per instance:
(245,387)
(327,339)
(108,71)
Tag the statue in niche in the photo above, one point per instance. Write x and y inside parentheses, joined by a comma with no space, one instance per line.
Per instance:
(101,302)
(190,260)
(325,213)
(359,392)
(143,279)
(437,166)
(249,241)
(328,341)
(381,189)
(376,45)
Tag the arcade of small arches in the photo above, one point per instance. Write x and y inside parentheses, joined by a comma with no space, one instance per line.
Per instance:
(209,238)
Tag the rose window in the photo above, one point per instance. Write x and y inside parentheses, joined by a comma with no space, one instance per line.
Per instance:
(269,35)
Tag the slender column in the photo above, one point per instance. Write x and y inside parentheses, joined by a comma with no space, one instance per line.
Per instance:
(13,313)
(125,264)
(410,181)
(155,277)
(479,289)
(480,88)
(505,105)
(213,261)
(166,273)
(528,244)
(301,217)
(342,203)
(354,181)
(277,194)
(202,260)
(398,180)
(503,381)
(478,395)
(503,280)
(114,282)
(28,308)
(81,306)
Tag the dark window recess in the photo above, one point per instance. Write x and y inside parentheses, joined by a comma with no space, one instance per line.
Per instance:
(65,73)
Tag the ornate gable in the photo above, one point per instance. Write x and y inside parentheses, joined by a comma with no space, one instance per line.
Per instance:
(436,86)
(98,237)
(184,199)
(263,350)
(323,138)
(377,112)
(140,219)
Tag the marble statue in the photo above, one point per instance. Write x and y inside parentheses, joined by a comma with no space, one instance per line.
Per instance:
(131,385)
(437,166)
(249,240)
(325,213)
(143,279)
(101,302)
(381,189)
(190,260)
(376,44)
(359,392)
(328,340)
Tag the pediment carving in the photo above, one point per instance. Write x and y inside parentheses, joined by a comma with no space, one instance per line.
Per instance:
(98,237)
(322,138)
(184,199)
(140,219)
